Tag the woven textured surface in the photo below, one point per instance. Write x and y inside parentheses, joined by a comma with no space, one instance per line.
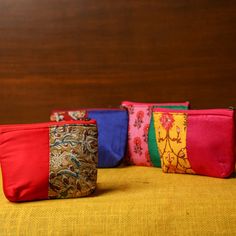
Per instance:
(131,201)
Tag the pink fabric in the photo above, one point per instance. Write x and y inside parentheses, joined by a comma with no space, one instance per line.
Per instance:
(139,121)
(210,144)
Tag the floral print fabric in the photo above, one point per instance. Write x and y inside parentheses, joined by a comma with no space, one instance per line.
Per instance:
(140,115)
(171,135)
(152,145)
(139,120)
(73,160)
(69,115)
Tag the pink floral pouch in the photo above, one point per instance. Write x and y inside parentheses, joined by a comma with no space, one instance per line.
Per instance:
(139,121)
(196,141)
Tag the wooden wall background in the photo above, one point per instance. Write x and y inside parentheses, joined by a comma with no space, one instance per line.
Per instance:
(96,53)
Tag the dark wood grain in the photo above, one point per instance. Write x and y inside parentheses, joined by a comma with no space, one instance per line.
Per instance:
(97,53)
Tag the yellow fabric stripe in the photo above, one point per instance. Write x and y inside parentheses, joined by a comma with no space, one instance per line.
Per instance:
(171,135)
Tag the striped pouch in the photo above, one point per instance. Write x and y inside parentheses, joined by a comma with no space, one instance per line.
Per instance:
(48,160)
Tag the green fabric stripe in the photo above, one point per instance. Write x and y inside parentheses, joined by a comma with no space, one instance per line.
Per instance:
(152,144)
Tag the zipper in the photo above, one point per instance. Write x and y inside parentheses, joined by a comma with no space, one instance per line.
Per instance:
(88,109)
(13,127)
(221,111)
(128,103)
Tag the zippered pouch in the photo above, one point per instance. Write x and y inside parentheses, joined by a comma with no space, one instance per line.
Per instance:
(48,160)
(112,129)
(196,141)
(139,120)
(152,145)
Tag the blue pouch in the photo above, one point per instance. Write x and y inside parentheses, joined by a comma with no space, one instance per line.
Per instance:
(112,131)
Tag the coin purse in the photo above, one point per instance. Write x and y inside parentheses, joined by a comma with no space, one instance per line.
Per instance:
(112,128)
(196,141)
(48,160)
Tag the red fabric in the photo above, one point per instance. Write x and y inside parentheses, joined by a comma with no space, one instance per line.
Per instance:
(210,144)
(25,164)
(24,156)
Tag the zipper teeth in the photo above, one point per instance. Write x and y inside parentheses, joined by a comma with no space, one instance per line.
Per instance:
(88,109)
(155,104)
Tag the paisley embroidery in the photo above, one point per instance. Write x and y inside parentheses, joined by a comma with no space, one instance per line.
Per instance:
(171,134)
(73,159)
(139,119)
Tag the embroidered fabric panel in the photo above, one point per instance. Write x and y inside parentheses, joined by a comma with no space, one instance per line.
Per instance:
(171,135)
(73,159)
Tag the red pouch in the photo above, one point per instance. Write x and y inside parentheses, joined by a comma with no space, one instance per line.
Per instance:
(196,141)
(48,160)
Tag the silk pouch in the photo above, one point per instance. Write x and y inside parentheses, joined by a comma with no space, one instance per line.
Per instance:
(48,160)
(138,129)
(112,128)
(196,141)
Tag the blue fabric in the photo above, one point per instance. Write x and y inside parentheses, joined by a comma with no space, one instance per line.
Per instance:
(112,135)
